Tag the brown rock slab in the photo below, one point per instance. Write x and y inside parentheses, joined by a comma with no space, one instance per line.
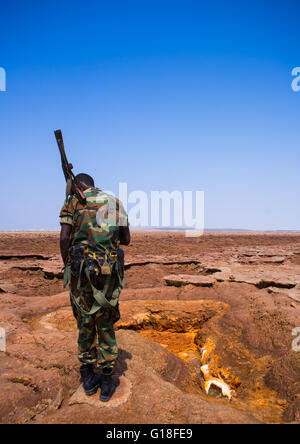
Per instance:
(121,396)
(184,279)
(259,278)
(57,402)
(8,288)
(268,260)
(292,294)
(176,316)
(161,260)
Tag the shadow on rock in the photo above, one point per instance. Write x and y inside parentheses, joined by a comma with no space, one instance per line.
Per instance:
(121,365)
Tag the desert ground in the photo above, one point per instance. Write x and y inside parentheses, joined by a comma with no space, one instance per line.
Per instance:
(205,334)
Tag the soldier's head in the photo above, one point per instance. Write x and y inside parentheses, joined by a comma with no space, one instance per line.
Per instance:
(85,181)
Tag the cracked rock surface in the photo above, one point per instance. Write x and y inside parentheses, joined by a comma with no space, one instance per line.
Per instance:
(239,292)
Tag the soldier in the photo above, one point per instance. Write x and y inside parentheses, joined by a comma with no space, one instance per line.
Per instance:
(94,270)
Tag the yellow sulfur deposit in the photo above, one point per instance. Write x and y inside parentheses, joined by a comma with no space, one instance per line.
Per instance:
(209,379)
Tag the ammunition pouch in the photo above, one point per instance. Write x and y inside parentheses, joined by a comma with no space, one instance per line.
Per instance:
(97,262)
(101,269)
(76,255)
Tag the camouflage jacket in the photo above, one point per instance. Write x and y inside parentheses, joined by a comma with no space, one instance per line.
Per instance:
(97,223)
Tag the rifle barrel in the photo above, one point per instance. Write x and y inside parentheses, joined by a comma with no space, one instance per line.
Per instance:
(67,168)
(64,160)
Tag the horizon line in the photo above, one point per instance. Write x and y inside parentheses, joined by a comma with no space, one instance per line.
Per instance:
(166,229)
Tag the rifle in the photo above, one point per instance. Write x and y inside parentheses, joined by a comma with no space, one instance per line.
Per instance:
(72,186)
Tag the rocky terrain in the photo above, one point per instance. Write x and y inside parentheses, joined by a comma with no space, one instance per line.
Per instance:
(205,334)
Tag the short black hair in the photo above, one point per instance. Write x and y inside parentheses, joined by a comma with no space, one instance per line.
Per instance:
(86,179)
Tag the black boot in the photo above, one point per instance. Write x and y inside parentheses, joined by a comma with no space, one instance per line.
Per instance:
(107,387)
(91,382)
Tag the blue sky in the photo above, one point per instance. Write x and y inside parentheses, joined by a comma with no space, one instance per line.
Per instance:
(163,95)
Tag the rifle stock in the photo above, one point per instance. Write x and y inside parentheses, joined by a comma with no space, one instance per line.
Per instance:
(67,167)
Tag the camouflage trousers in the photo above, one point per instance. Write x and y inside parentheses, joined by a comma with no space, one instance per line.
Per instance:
(96,337)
